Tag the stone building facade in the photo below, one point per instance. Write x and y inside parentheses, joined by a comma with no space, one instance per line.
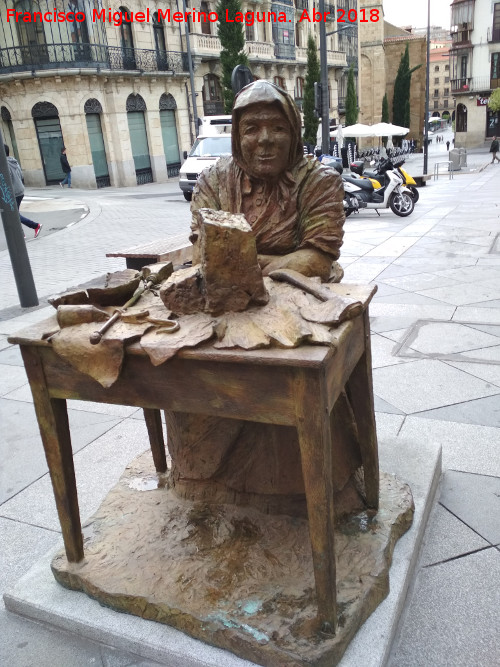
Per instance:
(117,93)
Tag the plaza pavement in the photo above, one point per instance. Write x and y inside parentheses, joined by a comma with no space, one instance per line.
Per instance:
(436,368)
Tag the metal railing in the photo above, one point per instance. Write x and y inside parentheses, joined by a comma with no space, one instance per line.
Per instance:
(54,56)
(468,84)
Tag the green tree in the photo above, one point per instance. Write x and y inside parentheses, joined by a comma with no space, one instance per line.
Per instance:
(494,103)
(232,39)
(385,110)
(313,75)
(351,100)
(402,84)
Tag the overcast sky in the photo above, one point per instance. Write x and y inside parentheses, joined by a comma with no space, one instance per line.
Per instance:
(414,12)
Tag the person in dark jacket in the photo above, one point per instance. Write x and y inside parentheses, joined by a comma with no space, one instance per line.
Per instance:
(494,150)
(16,176)
(66,168)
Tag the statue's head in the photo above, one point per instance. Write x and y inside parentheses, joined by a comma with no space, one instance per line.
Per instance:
(266,133)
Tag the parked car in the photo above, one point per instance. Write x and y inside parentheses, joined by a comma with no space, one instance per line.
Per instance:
(214,141)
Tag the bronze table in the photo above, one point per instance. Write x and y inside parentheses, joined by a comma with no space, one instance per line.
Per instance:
(301,388)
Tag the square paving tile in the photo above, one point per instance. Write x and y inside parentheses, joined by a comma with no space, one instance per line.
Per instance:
(453,617)
(427,384)
(97,467)
(467,447)
(475,500)
(420,281)
(482,411)
(445,338)
(447,537)
(464,294)
(21,449)
(11,356)
(11,377)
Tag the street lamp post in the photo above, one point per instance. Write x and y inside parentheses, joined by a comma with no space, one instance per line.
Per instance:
(426,122)
(325,98)
(191,72)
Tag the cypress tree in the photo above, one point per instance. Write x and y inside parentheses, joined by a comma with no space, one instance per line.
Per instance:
(313,75)
(351,100)
(399,100)
(232,39)
(385,109)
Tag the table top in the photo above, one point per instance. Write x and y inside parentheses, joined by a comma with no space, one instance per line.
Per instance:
(304,355)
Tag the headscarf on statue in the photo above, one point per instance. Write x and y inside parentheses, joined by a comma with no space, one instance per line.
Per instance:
(302,208)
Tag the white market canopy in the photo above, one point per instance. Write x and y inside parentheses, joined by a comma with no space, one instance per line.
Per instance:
(377,130)
(389,130)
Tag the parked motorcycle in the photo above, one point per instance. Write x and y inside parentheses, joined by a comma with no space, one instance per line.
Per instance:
(360,193)
(374,176)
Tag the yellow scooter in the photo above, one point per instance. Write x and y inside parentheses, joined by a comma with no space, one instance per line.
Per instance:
(408,181)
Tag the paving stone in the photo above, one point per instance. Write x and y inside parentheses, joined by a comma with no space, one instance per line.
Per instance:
(452,618)
(383,406)
(13,377)
(464,294)
(447,537)
(3,342)
(482,411)
(382,352)
(440,338)
(472,314)
(475,500)
(427,384)
(21,449)
(11,356)
(420,281)
(97,467)
(466,447)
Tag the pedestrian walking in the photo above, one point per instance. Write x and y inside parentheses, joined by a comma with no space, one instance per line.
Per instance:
(16,176)
(447,145)
(494,149)
(66,168)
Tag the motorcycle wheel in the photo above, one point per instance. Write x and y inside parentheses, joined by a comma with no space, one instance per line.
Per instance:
(402,204)
(413,193)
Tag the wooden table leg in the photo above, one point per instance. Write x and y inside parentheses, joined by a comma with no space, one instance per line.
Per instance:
(155,431)
(359,388)
(52,417)
(313,426)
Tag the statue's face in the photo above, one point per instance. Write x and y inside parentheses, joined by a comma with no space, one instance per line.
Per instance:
(265,140)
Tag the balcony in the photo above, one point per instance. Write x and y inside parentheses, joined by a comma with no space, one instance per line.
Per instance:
(95,56)
(205,44)
(461,38)
(337,59)
(478,84)
(300,5)
(259,50)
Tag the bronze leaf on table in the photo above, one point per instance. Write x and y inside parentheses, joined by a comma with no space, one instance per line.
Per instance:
(194,329)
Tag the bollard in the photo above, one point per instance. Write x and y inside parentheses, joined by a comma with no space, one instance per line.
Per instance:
(14,237)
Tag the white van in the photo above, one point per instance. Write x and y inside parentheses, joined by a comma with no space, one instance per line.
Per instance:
(213,142)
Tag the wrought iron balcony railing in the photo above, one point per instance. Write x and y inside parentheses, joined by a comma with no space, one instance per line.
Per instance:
(477,84)
(100,56)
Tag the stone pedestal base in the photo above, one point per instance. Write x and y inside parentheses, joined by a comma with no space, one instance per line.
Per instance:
(232,576)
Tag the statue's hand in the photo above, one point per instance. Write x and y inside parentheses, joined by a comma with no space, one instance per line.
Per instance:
(309,262)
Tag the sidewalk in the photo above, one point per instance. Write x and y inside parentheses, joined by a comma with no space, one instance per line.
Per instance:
(436,369)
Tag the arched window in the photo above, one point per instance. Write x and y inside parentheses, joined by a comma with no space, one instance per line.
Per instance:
(136,106)
(50,140)
(168,124)
(206,27)
(93,111)
(280,81)
(461,118)
(126,39)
